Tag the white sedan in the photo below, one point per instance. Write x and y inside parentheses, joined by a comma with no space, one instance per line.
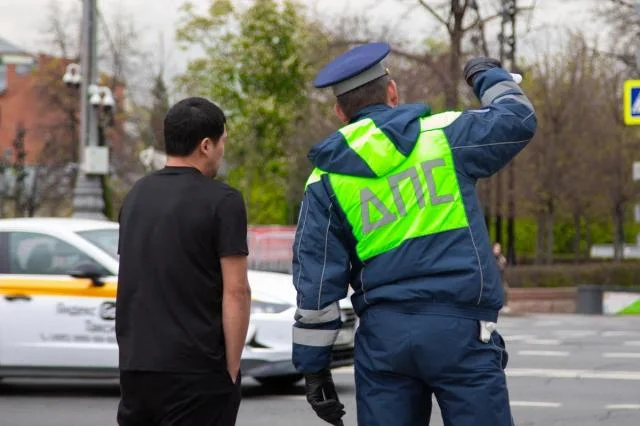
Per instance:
(58,321)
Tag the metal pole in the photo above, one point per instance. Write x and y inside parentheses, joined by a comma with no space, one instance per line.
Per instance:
(88,201)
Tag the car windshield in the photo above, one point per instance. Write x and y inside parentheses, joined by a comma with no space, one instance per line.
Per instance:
(105,239)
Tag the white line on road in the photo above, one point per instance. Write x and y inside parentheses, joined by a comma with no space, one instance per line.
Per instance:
(543,353)
(572,374)
(574,333)
(619,333)
(545,342)
(621,354)
(517,337)
(622,407)
(536,404)
(632,343)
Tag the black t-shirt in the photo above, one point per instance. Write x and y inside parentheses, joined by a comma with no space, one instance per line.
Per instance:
(175,225)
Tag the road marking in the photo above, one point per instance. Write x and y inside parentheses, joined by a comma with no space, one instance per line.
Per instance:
(621,354)
(574,333)
(536,404)
(516,337)
(632,343)
(545,342)
(622,407)
(543,353)
(619,333)
(573,374)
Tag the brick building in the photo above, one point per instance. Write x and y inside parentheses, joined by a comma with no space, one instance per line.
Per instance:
(18,99)
(33,96)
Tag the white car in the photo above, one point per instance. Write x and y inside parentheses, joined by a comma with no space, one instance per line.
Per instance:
(57,306)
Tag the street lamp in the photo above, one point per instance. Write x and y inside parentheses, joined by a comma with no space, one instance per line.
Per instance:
(88,192)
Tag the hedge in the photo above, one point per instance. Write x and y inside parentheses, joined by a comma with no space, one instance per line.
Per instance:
(623,274)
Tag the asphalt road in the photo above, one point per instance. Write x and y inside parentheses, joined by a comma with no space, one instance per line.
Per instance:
(563,371)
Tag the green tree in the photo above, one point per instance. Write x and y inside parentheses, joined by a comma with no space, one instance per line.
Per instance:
(255,67)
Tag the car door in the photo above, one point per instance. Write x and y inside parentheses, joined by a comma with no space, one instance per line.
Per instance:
(47,317)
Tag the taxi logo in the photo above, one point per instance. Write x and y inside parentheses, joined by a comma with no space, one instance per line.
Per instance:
(632,102)
(75,310)
(108,311)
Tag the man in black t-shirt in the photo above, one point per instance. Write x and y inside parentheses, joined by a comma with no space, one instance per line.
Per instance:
(183,301)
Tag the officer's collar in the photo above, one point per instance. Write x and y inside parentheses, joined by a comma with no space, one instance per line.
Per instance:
(369,110)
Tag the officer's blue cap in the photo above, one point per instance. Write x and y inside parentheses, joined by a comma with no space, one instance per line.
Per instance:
(354,68)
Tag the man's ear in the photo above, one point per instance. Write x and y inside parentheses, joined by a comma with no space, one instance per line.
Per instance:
(204,145)
(393,99)
(340,113)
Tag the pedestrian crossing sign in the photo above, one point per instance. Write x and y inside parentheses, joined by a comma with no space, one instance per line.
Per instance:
(632,102)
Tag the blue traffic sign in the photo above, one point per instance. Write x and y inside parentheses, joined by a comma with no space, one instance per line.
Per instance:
(632,102)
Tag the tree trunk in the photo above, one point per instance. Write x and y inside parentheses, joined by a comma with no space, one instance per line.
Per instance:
(577,236)
(540,237)
(549,237)
(455,72)
(511,213)
(587,237)
(618,236)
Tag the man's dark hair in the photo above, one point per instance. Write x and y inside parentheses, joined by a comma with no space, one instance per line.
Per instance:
(190,121)
(374,92)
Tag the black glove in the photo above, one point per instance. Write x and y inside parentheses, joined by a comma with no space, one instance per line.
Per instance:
(478,65)
(321,394)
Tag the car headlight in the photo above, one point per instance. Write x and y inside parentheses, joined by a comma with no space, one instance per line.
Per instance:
(258,307)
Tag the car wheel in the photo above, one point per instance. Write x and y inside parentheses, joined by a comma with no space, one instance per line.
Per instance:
(280,382)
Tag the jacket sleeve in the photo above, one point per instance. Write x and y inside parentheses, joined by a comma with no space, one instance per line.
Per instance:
(321,268)
(485,140)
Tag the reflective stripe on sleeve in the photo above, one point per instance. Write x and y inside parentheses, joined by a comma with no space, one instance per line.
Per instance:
(317,338)
(498,90)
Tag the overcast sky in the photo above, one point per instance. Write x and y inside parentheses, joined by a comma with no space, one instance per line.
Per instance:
(21,21)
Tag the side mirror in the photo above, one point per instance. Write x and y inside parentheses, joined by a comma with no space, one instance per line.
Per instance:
(88,271)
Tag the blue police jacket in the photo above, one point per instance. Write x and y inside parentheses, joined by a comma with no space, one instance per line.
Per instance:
(449,273)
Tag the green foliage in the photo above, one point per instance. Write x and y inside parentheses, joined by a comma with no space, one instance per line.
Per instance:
(600,232)
(624,274)
(254,67)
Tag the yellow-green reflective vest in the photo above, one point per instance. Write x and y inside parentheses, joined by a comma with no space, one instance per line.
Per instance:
(419,197)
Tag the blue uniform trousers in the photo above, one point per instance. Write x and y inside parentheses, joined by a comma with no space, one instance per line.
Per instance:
(402,359)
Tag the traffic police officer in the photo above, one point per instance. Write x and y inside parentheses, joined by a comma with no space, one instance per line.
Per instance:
(391,208)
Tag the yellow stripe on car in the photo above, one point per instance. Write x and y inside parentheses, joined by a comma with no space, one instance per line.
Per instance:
(51,287)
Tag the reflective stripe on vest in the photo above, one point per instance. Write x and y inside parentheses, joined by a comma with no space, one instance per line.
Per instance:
(420,196)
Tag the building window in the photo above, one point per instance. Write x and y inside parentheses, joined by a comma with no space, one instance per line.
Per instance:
(3,78)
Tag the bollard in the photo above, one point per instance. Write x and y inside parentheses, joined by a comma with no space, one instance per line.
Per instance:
(589,300)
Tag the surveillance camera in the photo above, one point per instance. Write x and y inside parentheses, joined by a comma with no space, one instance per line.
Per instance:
(67,78)
(108,102)
(72,77)
(95,100)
